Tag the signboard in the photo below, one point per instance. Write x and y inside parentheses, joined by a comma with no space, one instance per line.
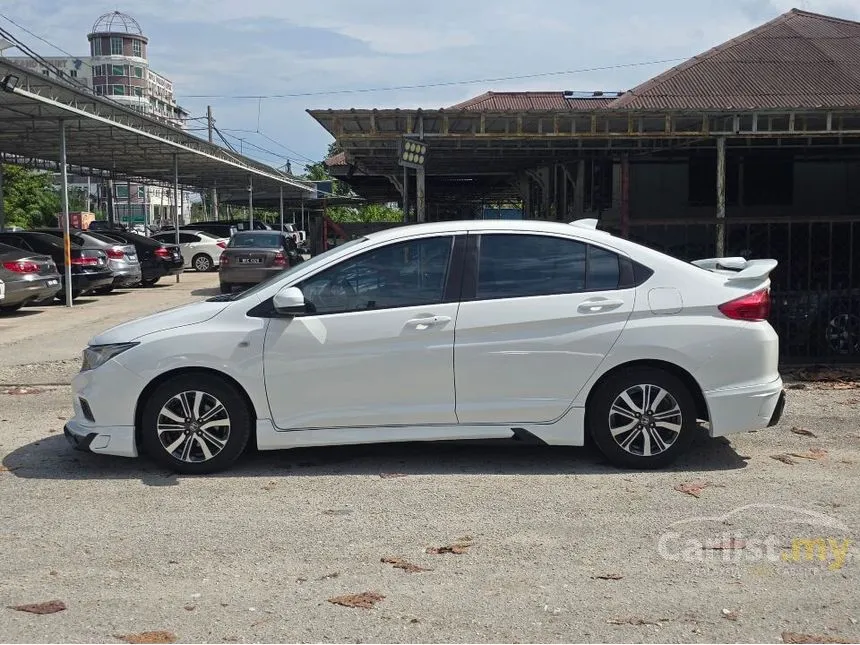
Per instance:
(412,153)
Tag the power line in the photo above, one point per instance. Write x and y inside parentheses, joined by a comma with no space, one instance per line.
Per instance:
(277,143)
(476,81)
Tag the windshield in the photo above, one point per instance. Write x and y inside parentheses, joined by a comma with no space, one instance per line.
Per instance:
(256,240)
(317,259)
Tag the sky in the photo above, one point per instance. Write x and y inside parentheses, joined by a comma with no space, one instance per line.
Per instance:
(217,50)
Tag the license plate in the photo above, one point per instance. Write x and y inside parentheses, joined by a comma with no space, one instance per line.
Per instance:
(51,283)
(132,258)
(250,261)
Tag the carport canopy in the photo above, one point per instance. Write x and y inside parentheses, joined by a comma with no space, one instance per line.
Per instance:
(104,138)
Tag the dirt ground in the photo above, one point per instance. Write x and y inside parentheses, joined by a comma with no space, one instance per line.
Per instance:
(752,539)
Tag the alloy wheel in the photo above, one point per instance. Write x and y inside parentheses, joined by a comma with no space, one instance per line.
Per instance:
(202,263)
(645,420)
(193,426)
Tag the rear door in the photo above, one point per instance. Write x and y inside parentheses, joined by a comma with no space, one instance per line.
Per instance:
(538,316)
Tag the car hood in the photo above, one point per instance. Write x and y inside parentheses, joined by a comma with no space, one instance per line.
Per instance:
(181,316)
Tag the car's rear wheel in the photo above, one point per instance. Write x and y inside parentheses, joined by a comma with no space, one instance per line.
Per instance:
(641,418)
(149,282)
(202,263)
(195,424)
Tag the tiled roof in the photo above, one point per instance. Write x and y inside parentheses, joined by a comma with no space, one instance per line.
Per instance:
(338,159)
(521,101)
(798,60)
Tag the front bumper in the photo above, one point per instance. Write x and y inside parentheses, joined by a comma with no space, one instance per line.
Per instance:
(740,409)
(118,441)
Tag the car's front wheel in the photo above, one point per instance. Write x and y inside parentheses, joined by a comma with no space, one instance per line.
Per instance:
(195,424)
(641,418)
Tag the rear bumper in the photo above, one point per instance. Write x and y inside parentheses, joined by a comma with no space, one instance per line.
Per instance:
(740,409)
(85,282)
(126,277)
(246,276)
(24,291)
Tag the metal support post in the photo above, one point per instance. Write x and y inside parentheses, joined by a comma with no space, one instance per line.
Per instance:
(214,193)
(721,197)
(250,202)
(420,205)
(282,209)
(625,196)
(67,241)
(405,194)
(176,202)
(128,202)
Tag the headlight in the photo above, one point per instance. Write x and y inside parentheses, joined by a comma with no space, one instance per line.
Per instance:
(96,355)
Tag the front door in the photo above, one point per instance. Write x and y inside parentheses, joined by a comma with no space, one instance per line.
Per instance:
(543,314)
(378,347)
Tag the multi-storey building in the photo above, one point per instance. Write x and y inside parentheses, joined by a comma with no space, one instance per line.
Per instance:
(117,68)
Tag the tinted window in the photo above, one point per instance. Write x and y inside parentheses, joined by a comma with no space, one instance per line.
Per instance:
(188,238)
(256,240)
(603,270)
(515,266)
(405,274)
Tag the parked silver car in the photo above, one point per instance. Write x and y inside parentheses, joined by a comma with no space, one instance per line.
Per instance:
(28,278)
(122,258)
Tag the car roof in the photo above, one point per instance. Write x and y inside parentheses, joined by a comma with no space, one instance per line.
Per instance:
(489,226)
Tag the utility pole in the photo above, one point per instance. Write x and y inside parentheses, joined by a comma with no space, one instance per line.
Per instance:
(214,195)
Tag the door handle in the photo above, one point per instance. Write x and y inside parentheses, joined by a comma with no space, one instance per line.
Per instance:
(426,322)
(596,306)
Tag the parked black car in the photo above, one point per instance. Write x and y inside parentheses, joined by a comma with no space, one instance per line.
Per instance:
(102,225)
(157,259)
(89,266)
(28,278)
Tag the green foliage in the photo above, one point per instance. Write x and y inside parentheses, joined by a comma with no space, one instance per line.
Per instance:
(29,198)
(365,213)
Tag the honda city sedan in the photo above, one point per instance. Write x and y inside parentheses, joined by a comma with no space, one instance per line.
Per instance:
(445,331)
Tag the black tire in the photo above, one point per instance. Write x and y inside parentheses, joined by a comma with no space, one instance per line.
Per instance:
(213,389)
(149,282)
(202,263)
(599,418)
(226,288)
(8,309)
(61,296)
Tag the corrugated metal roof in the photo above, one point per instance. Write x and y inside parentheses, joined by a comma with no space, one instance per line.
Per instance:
(522,101)
(798,60)
(337,159)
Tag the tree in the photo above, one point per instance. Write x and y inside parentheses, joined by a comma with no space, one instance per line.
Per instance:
(29,198)
(365,213)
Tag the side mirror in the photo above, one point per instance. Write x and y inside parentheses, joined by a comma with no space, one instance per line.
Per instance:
(290,301)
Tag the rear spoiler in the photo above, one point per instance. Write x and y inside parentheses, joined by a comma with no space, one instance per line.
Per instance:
(738,269)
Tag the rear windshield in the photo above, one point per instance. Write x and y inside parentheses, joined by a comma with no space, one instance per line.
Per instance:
(256,240)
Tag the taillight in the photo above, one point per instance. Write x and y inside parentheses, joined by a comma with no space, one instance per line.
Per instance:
(280,260)
(162,252)
(223,260)
(221,244)
(753,306)
(115,254)
(21,266)
(85,261)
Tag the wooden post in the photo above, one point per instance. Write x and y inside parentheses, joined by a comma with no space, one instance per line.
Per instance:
(721,196)
(420,204)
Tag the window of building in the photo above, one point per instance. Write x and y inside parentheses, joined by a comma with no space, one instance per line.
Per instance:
(141,192)
(405,274)
(46,72)
(137,48)
(118,90)
(518,266)
(117,70)
(122,191)
(116,46)
(73,73)
(138,91)
(97,46)
(138,72)
(99,89)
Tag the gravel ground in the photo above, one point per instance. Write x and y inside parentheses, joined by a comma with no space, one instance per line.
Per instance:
(562,547)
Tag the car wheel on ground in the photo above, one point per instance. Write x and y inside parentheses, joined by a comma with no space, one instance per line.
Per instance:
(226,288)
(195,424)
(149,282)
(202,262)
(641,418)
(61,295)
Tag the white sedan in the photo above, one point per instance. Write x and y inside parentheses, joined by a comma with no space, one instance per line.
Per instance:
(450,330)
(200,250)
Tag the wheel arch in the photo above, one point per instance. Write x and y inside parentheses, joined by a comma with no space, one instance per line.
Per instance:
(678,372)
(182,371)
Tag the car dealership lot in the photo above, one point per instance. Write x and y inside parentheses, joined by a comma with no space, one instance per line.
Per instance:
(255,553)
